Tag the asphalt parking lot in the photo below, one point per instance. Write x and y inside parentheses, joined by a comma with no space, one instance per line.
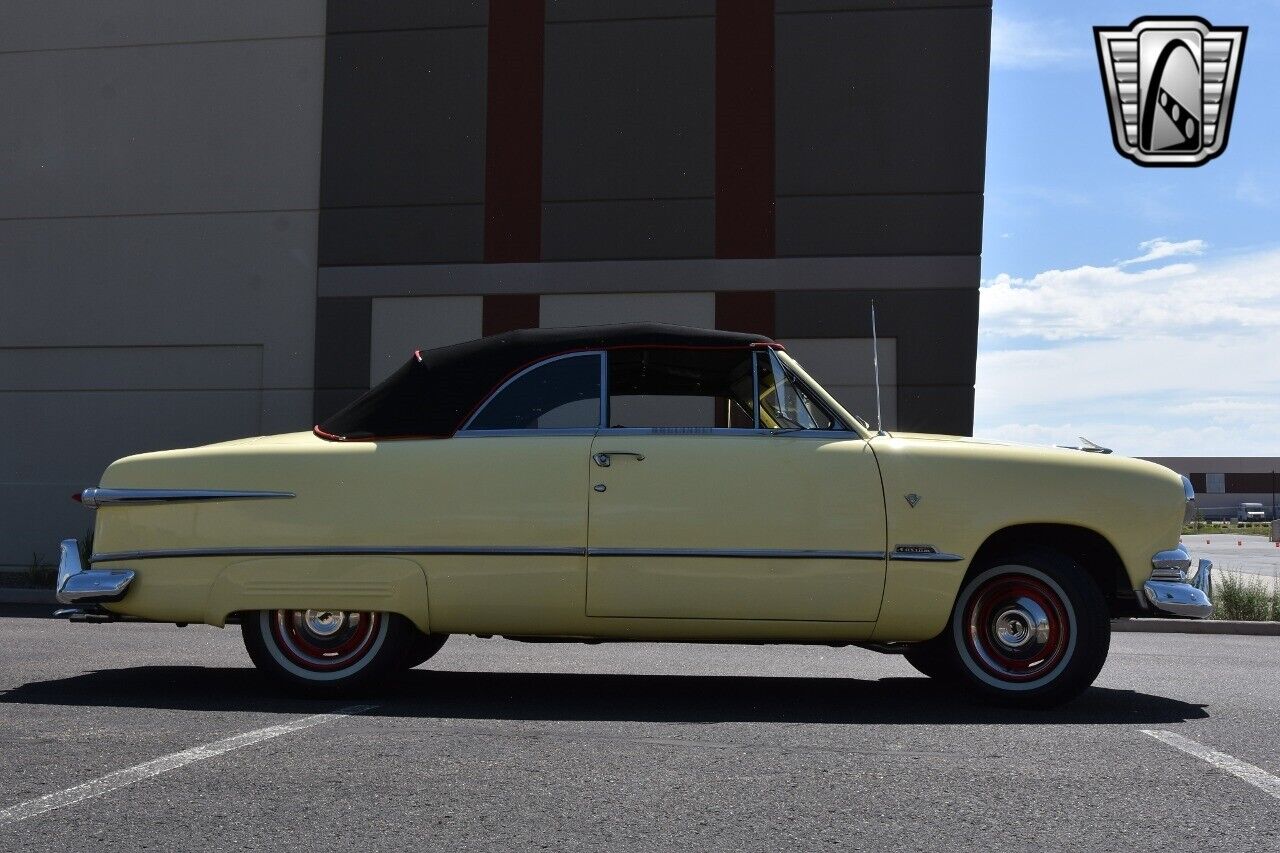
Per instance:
(502,745)
(1235,553)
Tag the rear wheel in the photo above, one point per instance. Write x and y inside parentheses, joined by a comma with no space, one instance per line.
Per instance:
(1030,628)
(423,647)
(328,652)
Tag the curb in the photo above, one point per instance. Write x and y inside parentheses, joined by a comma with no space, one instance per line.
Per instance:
(1196,626)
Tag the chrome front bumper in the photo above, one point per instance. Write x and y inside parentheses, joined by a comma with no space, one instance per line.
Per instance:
(1169,589)
(95,586)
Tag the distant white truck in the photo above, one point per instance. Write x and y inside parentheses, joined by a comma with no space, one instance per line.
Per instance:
(1251,512)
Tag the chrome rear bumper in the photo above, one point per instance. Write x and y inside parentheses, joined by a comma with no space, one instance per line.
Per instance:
(78,586)
(1169,589)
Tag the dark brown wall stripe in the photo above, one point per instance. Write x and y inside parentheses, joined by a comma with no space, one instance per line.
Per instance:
(513,153)
(745,311)
(507,311)
(744,129)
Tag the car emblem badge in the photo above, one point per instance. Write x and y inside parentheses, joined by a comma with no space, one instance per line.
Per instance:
(1170,85)
(912,499)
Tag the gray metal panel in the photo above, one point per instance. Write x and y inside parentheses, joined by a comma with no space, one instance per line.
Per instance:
(594,10)
(364,16)
(946,409)
(244,278)
(684,309)
(844,361)
(285,410)
(329,402)
(781,274)
(405,118)
(130,368)
(162,129)
(937,330)
(400,325)
(60,24)
(659,228)
(344,329)
(628,110)
(882,101)
(445,233)
(880,225)
(55,444)
(790,6)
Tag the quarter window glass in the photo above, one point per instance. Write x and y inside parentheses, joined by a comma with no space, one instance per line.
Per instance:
(680,388)
(784,403)
(561,394)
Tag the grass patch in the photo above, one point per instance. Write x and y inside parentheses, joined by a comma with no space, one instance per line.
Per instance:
(41,575)
(1244,528)
(1245,597)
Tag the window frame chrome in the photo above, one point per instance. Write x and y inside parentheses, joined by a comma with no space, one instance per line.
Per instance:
(775,364)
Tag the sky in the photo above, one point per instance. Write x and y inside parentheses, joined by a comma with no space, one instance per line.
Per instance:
(1137,307)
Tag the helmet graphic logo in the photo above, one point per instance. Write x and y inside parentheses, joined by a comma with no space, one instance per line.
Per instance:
(1170,85)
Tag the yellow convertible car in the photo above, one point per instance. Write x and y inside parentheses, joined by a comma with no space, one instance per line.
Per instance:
(636,482)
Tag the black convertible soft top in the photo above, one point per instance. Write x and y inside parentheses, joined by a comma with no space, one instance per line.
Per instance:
(433,394)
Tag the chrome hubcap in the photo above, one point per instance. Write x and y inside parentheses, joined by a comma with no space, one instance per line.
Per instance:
(1021,623)
(324,623)
(325,640)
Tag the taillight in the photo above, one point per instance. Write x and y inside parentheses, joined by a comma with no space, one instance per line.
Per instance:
(76,497)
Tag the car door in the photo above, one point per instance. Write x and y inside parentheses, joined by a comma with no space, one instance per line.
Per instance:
(712,522)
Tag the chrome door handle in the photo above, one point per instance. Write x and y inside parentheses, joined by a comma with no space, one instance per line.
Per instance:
(602,459)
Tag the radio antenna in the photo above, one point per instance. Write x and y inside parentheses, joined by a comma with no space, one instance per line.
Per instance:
(875,361)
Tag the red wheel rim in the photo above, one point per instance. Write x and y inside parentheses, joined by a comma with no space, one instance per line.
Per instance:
(324,640)
(1017,627)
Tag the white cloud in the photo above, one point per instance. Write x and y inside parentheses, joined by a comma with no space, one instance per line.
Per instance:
(1181,359)
(1241,295)
(1160,248)
(1027,44)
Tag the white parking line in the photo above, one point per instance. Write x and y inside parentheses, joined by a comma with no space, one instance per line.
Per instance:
(1255,776)
(121,778)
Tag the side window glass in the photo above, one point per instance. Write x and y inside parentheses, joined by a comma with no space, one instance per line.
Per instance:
(680,388)
(561,394)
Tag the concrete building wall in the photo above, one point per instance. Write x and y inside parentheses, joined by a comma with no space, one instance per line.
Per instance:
(157,238)
(233,218)
(779,161)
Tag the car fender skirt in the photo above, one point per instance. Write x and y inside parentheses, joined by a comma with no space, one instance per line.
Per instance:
(356,582)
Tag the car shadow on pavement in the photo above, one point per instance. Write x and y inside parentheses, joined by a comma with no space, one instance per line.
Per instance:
(446,694)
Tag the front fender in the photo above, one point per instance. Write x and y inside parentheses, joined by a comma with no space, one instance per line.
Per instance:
(969,490)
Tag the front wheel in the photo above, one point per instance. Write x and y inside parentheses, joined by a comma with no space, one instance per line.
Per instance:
(328,652)
(1031,628)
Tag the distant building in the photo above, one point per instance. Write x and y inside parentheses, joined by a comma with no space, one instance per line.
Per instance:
(1222,483)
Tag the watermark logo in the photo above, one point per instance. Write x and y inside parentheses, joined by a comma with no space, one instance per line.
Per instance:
(1170,85)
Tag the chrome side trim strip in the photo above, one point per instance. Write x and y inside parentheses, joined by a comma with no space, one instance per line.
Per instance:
(742,553)
(101,497)
(925,557)
(340,551)
(490,550)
